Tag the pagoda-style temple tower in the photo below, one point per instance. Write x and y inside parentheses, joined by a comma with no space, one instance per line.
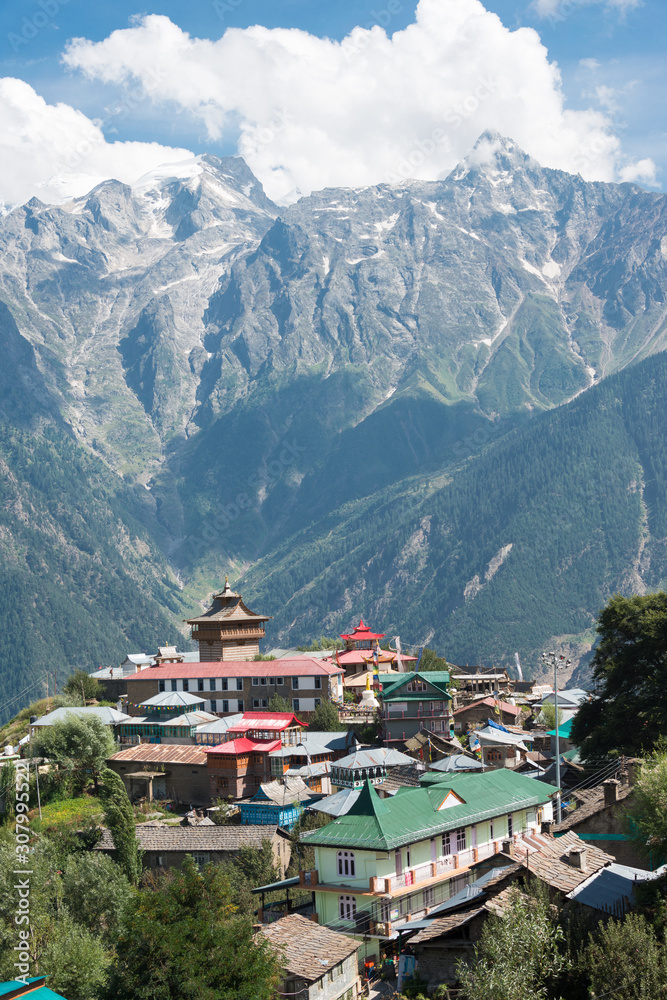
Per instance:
(228,630)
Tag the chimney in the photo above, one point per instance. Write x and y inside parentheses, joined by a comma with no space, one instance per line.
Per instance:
(577,858)
(507,847)
(610,786)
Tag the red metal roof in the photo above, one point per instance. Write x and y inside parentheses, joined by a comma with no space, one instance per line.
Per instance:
(303,666)
(266,720)
(362,633)
(490,703)
(245,745)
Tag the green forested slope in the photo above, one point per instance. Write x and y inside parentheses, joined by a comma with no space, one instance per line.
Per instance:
(578,493)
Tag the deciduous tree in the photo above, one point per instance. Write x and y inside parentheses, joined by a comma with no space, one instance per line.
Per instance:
(628,713)
(79,744)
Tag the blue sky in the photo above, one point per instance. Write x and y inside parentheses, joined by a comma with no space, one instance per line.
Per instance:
(609,53)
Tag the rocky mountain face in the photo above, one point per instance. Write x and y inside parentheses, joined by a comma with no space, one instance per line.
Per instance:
(267,374)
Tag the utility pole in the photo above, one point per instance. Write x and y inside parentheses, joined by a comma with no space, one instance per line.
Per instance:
(556,660)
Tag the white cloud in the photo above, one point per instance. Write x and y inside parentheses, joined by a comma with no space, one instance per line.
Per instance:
(642,172)
(315,112)
(55,152)
(558,10)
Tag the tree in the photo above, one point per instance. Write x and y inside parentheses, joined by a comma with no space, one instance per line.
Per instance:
(629,710)
(647,815)
(119,817)
(624,959)
(430,660)
(324,642)
(184,939)
(279,704)
(82,686)
(97,894)
(75,960)
(78,744)
(517,953)
(547,716)
(325,718)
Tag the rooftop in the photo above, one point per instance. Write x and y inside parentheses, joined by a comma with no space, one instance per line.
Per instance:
(194,838)
(504,706)
(416,813)
(283,793)
(393,686)
(228,606)
(551,863)
(374,757)
(172,699)
(309,949)
(266,720)
(244,745)
(109,716)
(34,987)
(362,633)
(591,802)
(302,666)
(457,762)
(611,889)
(161,753)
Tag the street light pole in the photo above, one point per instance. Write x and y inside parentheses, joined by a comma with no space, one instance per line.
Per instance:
(556,660)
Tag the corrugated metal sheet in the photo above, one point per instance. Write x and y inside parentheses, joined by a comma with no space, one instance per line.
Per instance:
(161,753)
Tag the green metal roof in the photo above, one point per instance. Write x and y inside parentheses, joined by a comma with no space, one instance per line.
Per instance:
(412,814)
(438,679)
(564,729)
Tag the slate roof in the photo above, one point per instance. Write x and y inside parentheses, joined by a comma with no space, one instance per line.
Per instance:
(161,753)
(444,925)
(490,703)
(551,866)
(592,802)
(374,757)
(309,950)
(109,716)
(194,838)
(412,814)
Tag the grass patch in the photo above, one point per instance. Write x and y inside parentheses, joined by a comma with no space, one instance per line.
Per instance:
(67,813)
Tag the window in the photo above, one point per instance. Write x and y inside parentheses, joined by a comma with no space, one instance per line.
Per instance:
(186,685)
(461,839)
(446,844)
(295,704)
(160,860)
(491,830)
(494,756)
(260,702)
(199,858)
(264,681)
(211,684)
(224,684)
(317,701)
(160,686)
(255,682)
(318,683)
(280,681)
(174,685)
(213,705)
(417,686)
(295,684)
(347,907)
(225,706)
(346,863)
(510,826)
(239,705)
(239,684)
(429,896)
(200,684)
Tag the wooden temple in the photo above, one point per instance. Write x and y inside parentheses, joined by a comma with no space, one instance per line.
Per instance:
(228,630)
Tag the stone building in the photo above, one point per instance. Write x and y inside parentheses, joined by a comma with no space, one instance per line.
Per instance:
(318,963)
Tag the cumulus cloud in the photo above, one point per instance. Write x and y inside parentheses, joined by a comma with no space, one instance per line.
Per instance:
(641,172)
(374,107)
(55,152)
